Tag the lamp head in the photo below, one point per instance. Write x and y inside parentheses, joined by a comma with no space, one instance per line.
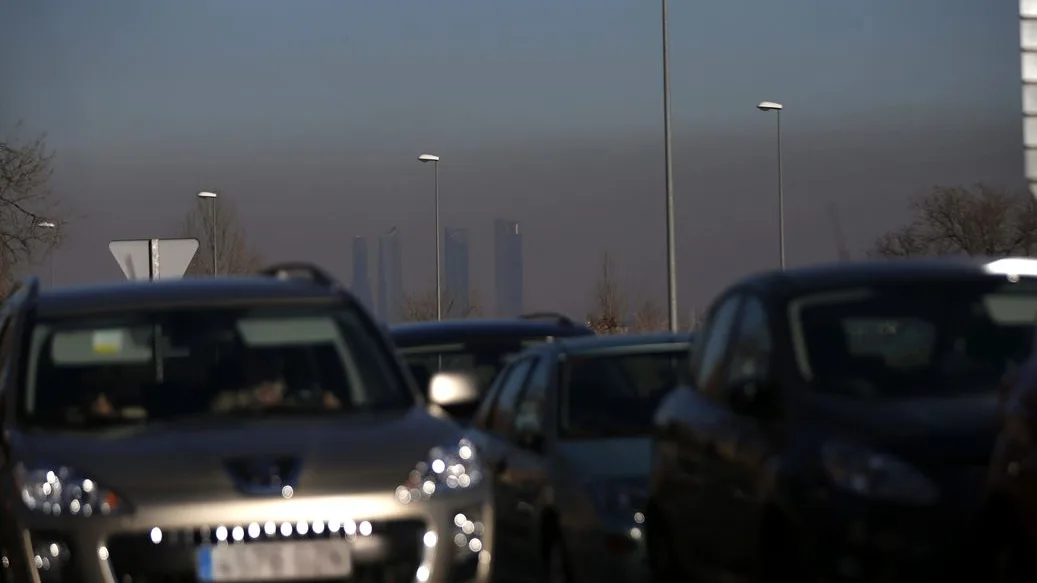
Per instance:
(206,194)
(770,106)
(428,158)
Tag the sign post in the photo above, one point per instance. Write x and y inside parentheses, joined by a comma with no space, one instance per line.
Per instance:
(151,259)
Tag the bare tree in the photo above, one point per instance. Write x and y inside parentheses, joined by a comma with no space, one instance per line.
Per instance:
(234,255)
(649,317)
(982,220)
(422,307)
(30,223)
(609,303)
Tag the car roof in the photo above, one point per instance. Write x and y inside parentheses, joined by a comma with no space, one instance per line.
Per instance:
(846,274)
(191,292)
(433,332)
(586,344)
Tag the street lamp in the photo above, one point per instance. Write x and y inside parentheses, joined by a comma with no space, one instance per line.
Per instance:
(49,225)
(767,106)
(671,243)
(212,232)
(439,281)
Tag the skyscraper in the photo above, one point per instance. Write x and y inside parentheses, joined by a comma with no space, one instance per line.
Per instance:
(390,277)
(361,285)
(507,267)
(455,268)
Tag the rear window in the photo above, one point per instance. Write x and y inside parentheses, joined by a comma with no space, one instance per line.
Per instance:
(914,339)
(166,366)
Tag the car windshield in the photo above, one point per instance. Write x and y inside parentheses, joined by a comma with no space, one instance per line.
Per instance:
(921,339)
(141,368)
(483,357)
(614,395)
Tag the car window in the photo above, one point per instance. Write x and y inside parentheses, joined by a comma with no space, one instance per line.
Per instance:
(210,363)
(751,348)
(616,394)
(484,415)
(485,358)
(531,410)
(914,339)
(712,346)
(504,410)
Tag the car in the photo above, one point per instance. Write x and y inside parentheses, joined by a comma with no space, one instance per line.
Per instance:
(255,428)
(565,432)
(479,345)
(839,421)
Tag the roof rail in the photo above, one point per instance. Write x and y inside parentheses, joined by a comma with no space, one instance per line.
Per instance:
(561,319)
(299,270)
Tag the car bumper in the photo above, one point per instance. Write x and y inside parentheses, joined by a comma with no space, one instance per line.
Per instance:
(854,539)
(388,541)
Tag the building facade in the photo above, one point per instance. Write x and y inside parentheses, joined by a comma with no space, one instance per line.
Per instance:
(390,277)
(456,299)
(361,284)
(507,268)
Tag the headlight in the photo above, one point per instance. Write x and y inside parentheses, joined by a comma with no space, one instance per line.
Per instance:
(451,468)
(619,497)
(865,472)
(59,490)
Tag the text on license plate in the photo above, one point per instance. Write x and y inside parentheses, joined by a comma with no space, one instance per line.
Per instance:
(275,561)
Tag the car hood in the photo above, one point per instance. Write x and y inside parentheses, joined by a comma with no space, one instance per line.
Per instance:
(627,457)
(361,453)
(956,430)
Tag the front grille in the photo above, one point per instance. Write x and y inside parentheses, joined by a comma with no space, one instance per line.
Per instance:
(169,556)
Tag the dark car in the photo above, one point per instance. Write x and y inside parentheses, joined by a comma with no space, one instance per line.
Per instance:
(223,429)
(481,346)
(839,421)
(565,429)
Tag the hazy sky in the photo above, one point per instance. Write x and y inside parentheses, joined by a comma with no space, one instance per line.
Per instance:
(309,115)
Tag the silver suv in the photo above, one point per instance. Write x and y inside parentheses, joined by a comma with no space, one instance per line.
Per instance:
(232,429)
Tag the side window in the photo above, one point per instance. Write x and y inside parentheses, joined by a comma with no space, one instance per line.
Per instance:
(484,415)
(529,415)
(709,369)
(751,350)
(504,410)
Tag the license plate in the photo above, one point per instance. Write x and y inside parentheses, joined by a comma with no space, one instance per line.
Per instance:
(275,561)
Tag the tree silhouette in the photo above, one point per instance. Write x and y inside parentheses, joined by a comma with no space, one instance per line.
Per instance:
(234,255)
(981,220)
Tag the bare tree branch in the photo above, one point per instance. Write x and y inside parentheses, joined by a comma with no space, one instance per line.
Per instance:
(649,317)
(26,201)
(233,253)
(609,303)
(982,220)
(422,307)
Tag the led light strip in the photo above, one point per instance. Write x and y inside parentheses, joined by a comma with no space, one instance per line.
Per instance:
(1028,46)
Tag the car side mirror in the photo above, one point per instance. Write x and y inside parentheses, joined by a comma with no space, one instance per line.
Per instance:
(453,388)
(751,396)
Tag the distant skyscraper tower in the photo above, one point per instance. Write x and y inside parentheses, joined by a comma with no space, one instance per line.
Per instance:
(361,286)
(390,277)
(507,267)
(455,268)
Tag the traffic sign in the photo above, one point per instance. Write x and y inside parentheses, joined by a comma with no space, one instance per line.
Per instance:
(150,259)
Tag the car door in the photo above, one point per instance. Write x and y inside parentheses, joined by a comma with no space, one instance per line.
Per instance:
(696,521)
(527,464)
(498,451)
(746,445)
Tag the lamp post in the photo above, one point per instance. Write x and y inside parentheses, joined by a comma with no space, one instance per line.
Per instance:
(212,196)
(671,243)
(424,158)
(49,225)
(767,106)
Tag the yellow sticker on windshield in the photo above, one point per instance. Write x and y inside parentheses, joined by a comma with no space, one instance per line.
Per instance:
(107,341)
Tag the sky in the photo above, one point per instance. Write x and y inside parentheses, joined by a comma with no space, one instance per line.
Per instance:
(309,116)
